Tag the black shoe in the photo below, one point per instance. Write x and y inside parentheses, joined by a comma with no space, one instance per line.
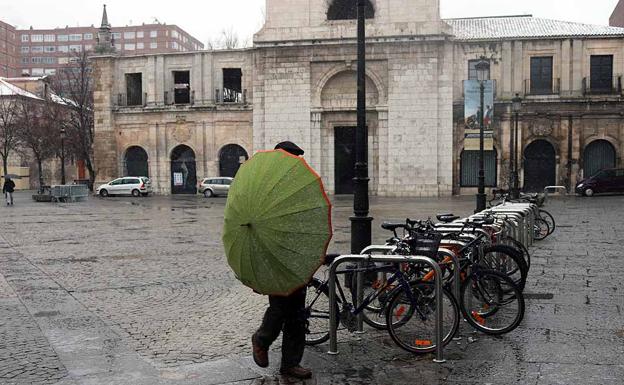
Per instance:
(297,372)
(260,356)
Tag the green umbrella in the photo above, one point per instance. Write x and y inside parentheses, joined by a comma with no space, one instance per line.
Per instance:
(277,223)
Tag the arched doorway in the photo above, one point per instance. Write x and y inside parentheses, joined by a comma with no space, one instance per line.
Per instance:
(135,162)
(183,175)
(339,105)
(230,159)
(598,155)
(540,166)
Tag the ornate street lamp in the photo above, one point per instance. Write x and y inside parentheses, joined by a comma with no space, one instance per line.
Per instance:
(62,155)
(516,105)
(483,74)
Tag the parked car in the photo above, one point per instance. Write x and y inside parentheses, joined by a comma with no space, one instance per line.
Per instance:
(215,186)
(130,185)
(605,181)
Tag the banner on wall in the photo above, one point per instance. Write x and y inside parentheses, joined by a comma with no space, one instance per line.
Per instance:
(472,109)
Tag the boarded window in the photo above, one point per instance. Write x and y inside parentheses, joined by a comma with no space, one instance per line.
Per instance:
(347,10)
(232,85)
(182,87)
(134,89)
(469,168)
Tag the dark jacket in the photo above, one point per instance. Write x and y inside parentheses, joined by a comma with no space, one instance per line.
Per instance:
(9,186)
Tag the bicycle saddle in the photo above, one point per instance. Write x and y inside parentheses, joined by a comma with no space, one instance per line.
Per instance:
(447,218)
(392,226)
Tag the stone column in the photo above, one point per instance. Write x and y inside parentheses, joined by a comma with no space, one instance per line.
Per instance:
(105,156)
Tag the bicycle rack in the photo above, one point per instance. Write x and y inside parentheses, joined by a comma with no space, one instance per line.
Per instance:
(391,249)
(333,320)
(360,280)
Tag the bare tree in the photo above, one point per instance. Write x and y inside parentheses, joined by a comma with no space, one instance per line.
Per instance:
(74,85)
(9,135)
(39,130)
(229,38)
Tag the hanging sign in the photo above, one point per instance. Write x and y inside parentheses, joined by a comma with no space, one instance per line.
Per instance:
(472,110)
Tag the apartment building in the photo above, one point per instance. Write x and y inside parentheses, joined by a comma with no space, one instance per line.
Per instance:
(43,51)
(9,56)
(617,17)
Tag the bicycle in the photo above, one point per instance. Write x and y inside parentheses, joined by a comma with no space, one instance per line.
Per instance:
(414,305)
(490,301)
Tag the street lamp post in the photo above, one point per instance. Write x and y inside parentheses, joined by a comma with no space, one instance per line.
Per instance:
(483,72)
(63,155)
(516,104)
(361,235)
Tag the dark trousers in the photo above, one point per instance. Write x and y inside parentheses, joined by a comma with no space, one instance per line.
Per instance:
(285,314)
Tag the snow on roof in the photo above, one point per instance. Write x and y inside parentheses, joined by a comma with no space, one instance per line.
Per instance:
(527,27)
(8,89)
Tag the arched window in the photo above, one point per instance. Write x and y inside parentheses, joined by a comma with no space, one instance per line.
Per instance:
(469,168)
(347,10)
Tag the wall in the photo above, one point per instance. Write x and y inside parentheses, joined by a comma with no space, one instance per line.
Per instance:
(547,117)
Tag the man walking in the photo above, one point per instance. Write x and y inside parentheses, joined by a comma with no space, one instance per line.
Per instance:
(284,314)
(8,189)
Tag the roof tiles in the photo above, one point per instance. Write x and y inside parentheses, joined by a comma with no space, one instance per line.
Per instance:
(526,26)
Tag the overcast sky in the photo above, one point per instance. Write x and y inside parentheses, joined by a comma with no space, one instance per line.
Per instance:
(204,19)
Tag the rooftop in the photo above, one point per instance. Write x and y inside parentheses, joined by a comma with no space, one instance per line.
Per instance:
(8,89)
(526,27)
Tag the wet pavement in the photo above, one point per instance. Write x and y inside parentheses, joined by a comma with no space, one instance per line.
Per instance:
(137,291)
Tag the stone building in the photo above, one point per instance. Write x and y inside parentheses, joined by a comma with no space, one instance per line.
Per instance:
(207,111)
(570,78)
(157,115)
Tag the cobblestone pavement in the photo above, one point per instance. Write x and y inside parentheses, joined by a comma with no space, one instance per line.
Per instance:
(137,291)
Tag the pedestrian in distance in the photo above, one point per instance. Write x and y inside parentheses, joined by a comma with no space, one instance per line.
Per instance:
(285,314)
(8,189)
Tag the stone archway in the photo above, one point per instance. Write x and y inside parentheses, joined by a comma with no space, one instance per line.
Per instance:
(598,155)
(136,162)
(336,120)
(183,170)
(231,157)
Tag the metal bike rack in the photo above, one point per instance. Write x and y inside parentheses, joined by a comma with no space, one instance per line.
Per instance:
(360,280)
(547,190)
(391,249)
(333,320)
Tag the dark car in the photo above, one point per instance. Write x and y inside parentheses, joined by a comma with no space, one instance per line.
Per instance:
(605,181)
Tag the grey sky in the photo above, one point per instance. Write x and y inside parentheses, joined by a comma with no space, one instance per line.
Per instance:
(206,18)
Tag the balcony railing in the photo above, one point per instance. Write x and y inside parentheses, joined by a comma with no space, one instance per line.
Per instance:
(179,96)
(228,95)
(534,88)
(131,100)
(603,87)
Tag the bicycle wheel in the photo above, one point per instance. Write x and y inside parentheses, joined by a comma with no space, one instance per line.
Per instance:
(518,245)
(374,314)
(491,302)
(545,215)
(507,260)
(317,312)
(541,229)
(412,321)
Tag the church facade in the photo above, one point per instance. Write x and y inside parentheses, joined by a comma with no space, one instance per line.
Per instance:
(200,114)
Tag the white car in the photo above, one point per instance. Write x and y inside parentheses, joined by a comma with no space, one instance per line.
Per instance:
(130,185)
(215,186)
